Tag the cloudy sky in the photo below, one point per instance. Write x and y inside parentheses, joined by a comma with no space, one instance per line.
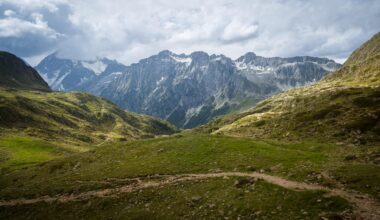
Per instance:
(131,30)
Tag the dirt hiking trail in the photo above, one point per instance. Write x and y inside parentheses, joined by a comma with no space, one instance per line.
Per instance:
(364,207)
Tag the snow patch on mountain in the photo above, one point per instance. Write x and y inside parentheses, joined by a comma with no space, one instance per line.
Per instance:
(186,60)
(50,80)
(57,82)
(161,80)
(294,64)
(96,66)
(83,80)
(241,65)
(193,111)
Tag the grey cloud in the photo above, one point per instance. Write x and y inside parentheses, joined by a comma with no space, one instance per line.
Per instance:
(131,30)
(32,31)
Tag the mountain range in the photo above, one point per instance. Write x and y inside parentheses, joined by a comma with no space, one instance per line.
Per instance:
(29,107)
(186,90)
(344,106)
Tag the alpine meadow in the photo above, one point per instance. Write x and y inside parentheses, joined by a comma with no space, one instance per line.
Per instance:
(160,109)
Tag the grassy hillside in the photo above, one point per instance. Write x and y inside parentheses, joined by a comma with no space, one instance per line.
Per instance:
(19,152)
(207,199)
(118,165)
(345,106)
(73,118)
(327,113)
(362,68)
(37,125)
(192,153)
(34,124)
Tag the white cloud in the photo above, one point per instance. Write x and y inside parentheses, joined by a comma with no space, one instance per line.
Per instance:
(131,30)
(15,27)
(30,5)
(238,31)
(9,13)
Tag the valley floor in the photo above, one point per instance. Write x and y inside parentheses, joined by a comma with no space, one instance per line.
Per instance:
(364,206)
(195,176)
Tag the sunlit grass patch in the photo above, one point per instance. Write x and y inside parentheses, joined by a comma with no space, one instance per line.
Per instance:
(18,152)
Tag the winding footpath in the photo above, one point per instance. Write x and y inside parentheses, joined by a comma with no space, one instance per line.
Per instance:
(364,206)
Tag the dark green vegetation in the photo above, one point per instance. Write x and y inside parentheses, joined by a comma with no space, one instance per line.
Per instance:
(312,162)
(345,106)
(207,199)
(15,73)
(106,166)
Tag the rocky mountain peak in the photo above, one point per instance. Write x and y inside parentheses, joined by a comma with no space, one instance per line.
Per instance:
(165,53)
(249,56)
(66,74)
(189,90)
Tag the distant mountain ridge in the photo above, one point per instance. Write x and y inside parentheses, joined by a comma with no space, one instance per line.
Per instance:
(344,106)
(285,73)
(16,73)
(67,75)
(186,90)
(28,106)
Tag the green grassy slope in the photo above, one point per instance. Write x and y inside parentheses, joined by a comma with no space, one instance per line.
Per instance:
(108,166)
(207,199)
(190,153)
(72,118)
(362,68)
(37,126)
(18,152)
(345,106)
